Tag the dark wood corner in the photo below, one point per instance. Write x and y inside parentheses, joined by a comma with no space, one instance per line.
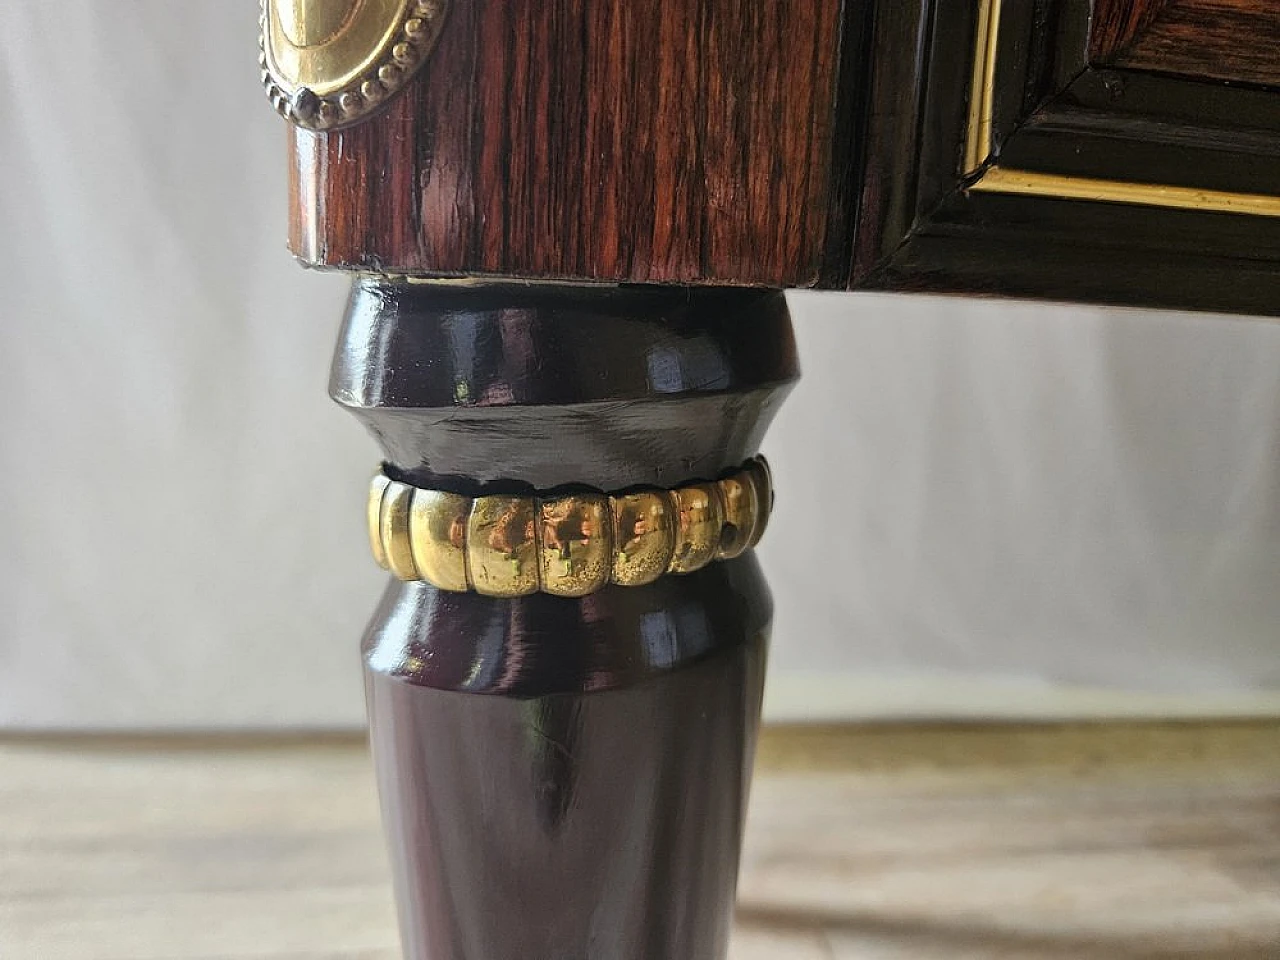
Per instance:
(1049,149)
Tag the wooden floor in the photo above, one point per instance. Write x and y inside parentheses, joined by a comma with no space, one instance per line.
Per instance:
(1061,843)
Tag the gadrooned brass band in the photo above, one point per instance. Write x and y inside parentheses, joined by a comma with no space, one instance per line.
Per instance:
(571,545)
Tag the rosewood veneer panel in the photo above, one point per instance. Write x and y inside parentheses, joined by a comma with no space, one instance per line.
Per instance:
(1233,40)
(669,141)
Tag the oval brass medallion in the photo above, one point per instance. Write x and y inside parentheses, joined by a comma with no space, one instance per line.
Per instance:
(310,24)
(328,63)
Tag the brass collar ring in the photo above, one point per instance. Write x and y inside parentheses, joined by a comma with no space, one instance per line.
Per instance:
(570,545)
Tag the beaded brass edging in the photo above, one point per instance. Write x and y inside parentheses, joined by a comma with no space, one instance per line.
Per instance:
(329,63)
(569,546)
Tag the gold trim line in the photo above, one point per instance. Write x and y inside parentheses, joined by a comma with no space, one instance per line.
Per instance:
(1000,180)
(977,145)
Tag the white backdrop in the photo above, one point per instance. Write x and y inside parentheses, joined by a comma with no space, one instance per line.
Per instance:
(985,508)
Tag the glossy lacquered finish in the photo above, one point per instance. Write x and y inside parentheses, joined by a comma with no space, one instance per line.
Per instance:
(565,776)
(515,388)
(568,777)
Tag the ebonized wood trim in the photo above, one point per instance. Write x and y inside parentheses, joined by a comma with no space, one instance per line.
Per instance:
(928,220)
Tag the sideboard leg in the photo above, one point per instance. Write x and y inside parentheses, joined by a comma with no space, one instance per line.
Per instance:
(564,776)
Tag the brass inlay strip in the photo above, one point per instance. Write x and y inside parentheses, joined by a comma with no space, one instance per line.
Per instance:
(996,179)
(1000,180)
(569,546)
(977,145)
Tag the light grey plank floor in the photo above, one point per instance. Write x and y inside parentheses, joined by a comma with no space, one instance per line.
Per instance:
(1123,842)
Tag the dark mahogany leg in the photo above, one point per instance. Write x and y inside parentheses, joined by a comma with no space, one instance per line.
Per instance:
(564,778)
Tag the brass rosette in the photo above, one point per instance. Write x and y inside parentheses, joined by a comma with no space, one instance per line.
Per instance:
(571,545)
(329,63)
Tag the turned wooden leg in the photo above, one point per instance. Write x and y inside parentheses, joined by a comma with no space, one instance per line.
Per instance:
(565,776)
(564,675)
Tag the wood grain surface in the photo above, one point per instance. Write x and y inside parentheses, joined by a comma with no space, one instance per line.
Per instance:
(670,141)
(1233,40)
(1132,842)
